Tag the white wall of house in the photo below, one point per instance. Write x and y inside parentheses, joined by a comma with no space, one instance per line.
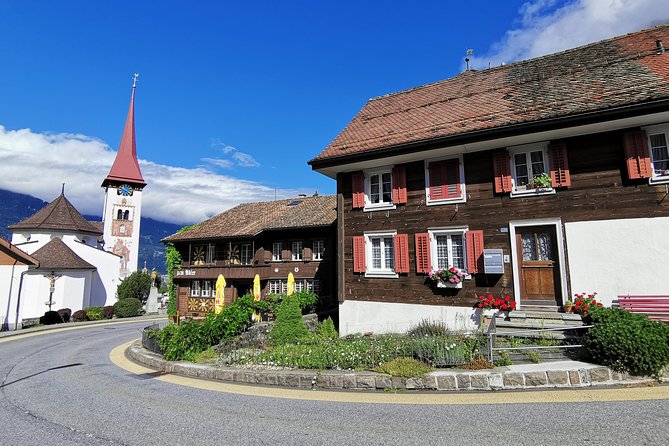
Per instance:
(105,279)
(382,317)
(32,241)
(10,280)
(616,257)
(72,290)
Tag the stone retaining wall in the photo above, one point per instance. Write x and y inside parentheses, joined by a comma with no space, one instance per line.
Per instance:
(441,380)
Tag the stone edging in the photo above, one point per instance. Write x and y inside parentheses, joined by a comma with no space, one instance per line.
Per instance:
(442,380)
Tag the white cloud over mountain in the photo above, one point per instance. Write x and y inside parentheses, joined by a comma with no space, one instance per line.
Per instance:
(548,26)
(37,163)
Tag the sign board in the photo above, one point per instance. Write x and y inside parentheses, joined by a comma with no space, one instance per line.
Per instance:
(493,261)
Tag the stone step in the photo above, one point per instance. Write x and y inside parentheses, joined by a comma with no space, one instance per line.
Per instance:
(541,308)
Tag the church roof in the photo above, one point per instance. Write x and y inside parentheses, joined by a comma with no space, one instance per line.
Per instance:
(126,167)
(60,215)
(14,252)
(56,255)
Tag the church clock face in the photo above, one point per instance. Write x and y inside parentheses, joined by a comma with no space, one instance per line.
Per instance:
(125,190)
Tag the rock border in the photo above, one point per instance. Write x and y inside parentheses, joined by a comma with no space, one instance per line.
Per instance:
(497,379)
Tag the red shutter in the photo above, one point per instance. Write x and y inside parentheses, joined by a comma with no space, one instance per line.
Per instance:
(452,174)
(358,179)
(559,165)
(474,240)
(401,253)
(437,180)
(423,253)
(637,156)
(399,185)
(359,265)
(502,171)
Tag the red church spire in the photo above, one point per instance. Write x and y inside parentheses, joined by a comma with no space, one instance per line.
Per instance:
(126,167)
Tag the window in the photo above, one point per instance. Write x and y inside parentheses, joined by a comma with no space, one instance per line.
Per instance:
(276,251)
(274,286)
(246,254)
(202,254)
(297,250)
(448,248)
(379,189)
(119,215)
(529,169)
(206,288)
(318,250)
(444,181)
(381,254)
(313,286)
(658,149)
(195,288)
(299,286)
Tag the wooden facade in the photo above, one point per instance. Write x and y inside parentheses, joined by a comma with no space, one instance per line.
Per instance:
(600,189)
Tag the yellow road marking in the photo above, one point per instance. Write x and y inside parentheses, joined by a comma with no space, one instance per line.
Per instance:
(58,330)
(117,356)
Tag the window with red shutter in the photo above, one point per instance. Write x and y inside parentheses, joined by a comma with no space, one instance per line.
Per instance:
(474,251)
(559,165)
(399,185)
(359,254)
(358,187)
(637,156)
(502,172)
(423,253)
(401,253)
(444,182)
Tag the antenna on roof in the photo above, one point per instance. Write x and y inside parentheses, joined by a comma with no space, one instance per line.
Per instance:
(62,189)
(469,53)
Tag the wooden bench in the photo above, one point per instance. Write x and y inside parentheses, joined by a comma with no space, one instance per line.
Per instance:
(655,307)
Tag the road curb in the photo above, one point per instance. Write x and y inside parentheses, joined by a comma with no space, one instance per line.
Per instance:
(543,376)
(8,334)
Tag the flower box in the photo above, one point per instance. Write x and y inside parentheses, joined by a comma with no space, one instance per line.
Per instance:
(442,284)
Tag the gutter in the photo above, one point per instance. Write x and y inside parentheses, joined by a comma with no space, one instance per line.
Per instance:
(497,132)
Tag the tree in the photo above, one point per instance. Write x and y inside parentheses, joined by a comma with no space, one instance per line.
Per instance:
(137,285)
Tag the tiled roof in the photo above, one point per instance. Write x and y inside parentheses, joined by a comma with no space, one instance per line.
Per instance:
(57,215)
(56,255)
(97,225)
(250,219)
(623,71)
(15,252)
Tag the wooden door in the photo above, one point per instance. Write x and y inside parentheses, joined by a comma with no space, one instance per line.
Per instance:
(538,264)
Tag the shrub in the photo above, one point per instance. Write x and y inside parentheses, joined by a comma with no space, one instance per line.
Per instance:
(80,316)
(429,329)
(65,314)
(404,367)
(94,313)
(289,325)
(50,318)
(127,307)
(307,301)
(326,330)
(136,286)
(108,312)
(627,342)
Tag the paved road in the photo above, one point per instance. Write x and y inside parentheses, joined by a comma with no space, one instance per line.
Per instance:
(61,389)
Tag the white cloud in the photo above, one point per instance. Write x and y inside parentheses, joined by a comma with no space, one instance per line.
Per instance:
(238,158)
(223,163)
(37,163)
(548,26)
(245,160)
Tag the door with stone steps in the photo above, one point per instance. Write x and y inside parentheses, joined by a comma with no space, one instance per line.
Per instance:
(538,267)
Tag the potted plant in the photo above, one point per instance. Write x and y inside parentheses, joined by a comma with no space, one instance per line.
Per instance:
(490,303)
(585,301)
(447,277)
(542,181)
(568,306)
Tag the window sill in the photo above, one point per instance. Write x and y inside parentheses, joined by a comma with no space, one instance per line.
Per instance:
(379,207)
(458,200)
(381,275)
(664,179)
(533,192)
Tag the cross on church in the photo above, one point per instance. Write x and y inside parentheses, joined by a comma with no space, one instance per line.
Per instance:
(134,80)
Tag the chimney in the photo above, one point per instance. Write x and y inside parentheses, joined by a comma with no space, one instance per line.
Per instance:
(660,47)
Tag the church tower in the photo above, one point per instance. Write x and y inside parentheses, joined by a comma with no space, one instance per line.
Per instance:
(123,198)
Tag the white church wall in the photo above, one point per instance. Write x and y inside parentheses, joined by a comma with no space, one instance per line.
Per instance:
(106,279)
(71,290)
(10,281)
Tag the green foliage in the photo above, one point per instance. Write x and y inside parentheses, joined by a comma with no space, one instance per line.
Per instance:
(542,180)
(627,342)
(326,330)
(182,341)
(268,304)
(172,262)
(503,360)
(137,286)
(127,307)
(289,325)
(207,356)
(404,367)
(163,289)
(534,356)
(429,329)
(94,313)
(307,301)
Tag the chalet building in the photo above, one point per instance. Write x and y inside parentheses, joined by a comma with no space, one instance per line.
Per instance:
(538,179)
(271,239)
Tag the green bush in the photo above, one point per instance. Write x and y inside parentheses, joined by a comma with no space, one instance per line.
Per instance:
(429,329)
(326,330)
(404,367)
(127,307)
(136,286)
(289,325)
(627,342)
(94,313)
(182,341)
(307,301)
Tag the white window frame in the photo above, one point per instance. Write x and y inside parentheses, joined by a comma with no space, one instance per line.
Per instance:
(526,149)
(382,205)
(195,288)
(299,285)
(275,286)
(249,252)
(463,191)
(448,231)
(656,130)
(313,285)
(382,272)
(317,254)
(206,288)
(276,256)
(296,254)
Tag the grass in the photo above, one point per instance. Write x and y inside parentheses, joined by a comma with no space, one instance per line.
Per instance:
(404,368)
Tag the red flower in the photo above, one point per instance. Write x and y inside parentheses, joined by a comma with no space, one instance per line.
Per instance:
(504,307)
(480,305)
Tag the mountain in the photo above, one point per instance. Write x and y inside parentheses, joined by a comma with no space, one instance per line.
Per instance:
(16,207)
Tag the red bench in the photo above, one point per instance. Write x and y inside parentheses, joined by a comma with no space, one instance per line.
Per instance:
(655,307)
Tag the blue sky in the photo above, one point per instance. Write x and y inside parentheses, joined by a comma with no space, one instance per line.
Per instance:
(235,97)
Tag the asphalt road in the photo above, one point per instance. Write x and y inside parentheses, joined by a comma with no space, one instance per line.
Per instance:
(60,388)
